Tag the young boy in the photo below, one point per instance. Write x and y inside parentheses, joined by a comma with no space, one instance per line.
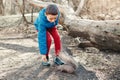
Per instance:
(45,24)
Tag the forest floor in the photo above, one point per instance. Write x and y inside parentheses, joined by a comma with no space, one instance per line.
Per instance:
(20,59)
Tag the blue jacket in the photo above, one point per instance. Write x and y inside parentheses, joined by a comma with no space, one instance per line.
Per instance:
(42,24)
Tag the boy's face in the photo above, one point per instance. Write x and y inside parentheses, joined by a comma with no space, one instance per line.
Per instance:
(51,18)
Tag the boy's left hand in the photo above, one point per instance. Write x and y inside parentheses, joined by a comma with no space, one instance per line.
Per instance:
(44,58)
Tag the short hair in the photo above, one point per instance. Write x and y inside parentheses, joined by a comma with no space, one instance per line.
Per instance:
(52,9)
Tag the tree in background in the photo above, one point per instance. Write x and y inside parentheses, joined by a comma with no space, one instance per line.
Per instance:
(1,7)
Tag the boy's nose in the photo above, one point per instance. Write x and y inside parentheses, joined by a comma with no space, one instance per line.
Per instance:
(52,20)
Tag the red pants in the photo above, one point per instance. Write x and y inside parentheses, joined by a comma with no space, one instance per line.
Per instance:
(53,33)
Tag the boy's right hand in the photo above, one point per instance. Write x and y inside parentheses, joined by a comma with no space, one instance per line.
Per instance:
(44,58)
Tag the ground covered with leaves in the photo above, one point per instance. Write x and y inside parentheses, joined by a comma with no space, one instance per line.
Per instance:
(20,58)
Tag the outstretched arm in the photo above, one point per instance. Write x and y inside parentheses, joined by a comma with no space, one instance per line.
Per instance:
(42,40)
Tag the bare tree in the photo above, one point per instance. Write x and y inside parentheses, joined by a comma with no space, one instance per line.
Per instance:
(22,10)
(80,7)
(1,7)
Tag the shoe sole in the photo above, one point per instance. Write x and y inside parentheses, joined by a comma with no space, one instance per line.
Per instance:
(45,64)
(58,63)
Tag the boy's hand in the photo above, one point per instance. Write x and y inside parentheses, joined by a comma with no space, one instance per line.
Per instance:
(44,58)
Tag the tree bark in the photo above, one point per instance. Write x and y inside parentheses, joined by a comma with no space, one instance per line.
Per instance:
(102,34)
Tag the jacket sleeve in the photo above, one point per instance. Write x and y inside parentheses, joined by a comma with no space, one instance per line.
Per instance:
(42,40)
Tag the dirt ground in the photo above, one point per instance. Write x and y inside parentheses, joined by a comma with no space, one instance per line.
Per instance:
(20,60)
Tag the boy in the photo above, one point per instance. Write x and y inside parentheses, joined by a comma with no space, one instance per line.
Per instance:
(45,25)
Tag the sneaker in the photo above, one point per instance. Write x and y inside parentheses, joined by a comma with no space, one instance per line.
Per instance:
(46,63)
(58,61)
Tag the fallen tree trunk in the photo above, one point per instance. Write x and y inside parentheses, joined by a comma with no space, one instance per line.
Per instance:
(102,34)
